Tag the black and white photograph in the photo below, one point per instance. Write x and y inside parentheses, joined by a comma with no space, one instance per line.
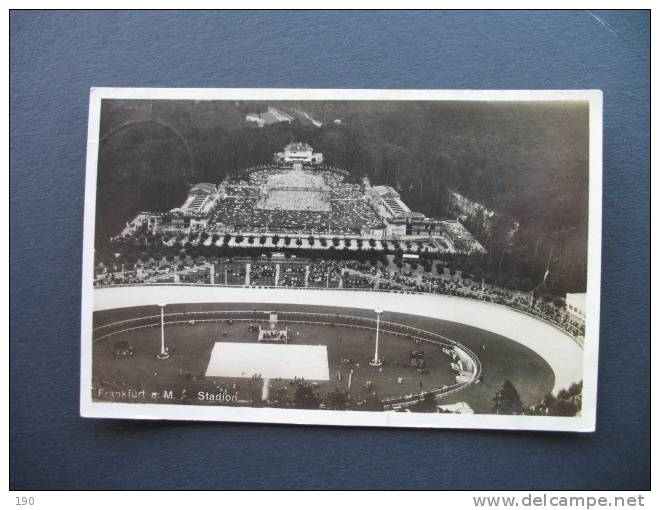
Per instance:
(405,258)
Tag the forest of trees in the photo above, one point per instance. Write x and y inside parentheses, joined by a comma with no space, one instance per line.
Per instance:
(527,162)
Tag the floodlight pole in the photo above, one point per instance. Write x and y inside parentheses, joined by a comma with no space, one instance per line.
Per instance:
(375,362)
(163,354)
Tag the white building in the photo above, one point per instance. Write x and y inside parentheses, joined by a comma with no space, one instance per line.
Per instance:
(298,152)
(270,116)
(576,305)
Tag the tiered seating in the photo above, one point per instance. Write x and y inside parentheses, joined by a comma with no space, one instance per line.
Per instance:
(460,237)
(292,275)
(355,281)
(200,275)
(228,273)
(324,274)
(197,203)
(262,274)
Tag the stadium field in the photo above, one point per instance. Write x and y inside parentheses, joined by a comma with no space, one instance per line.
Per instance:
(348,349)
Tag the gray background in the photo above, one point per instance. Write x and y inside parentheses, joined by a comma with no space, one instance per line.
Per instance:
(57,56)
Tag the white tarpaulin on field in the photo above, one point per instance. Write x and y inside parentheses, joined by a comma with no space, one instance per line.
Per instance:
(269,361)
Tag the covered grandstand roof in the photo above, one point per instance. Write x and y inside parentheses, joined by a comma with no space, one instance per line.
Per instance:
(396,206)
(205,188)
(392,201)
(383,191)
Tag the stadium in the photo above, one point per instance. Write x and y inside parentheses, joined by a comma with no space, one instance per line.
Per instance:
(292,285)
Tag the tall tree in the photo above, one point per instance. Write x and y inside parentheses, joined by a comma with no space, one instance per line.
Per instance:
(507,400)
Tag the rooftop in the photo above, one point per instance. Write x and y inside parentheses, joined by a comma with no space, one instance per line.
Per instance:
(382,191)
(202,188)
(298,146)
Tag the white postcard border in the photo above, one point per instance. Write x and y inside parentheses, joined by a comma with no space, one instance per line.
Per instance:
(584,423)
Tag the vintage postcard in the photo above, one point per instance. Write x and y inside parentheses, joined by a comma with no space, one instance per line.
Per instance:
(404,258)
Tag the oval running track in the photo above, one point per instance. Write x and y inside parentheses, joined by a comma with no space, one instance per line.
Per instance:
(557,348)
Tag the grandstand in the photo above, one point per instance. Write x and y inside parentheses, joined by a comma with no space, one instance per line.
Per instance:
(298,195)
(198,197)
(249,228)
(304,273)
(391,202)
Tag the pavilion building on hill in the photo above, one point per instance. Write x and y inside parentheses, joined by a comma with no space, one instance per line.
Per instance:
(298,152)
